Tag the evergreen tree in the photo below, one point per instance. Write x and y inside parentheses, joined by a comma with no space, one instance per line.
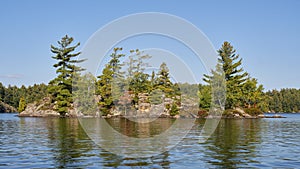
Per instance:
(109,85)
(163,81)
(61,87)
(137,79)
(22,105)
(204,94)
(84,94)
(174,109)
(104,85)
(252,95)
(216,88)
(155,96)
(234,75)
(2,92)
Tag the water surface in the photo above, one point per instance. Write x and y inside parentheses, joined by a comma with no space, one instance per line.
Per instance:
(236,143)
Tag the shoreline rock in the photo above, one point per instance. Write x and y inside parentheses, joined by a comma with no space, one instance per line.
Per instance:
(45,108)
(5,108)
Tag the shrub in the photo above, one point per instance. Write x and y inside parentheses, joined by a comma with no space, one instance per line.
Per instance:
(230,113)
(253,111)
(174,110)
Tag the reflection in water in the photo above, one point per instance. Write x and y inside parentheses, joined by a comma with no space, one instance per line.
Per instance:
(135,140)
(62,143)
(140,130)
(234,143)
(70,145)
(68,141)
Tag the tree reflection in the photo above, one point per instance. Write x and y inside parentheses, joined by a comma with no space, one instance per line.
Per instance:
(234,143)
(68,141)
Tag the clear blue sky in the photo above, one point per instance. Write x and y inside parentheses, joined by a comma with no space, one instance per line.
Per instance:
(265,33)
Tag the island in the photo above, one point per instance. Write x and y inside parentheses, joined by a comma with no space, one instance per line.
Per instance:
(125,88)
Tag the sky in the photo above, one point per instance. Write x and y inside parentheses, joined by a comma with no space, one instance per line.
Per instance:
(264,33)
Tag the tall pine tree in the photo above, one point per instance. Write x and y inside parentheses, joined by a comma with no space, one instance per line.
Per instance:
(61,87)
(109,84)
(234,75)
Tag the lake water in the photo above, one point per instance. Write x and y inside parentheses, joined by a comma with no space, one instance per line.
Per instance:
(62,143)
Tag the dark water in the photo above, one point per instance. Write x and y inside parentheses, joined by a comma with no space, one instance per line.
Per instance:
(62,143)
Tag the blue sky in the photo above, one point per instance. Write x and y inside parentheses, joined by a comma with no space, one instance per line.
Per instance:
(264,33)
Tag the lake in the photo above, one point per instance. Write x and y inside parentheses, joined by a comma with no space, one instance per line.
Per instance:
(236,143)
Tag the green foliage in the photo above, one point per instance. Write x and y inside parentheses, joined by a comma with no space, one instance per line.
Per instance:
(2,92)
(230,113)
(155,97)
(174,109)
(285,100)
(84,94)
(189,90)
(138,81)
(60,88)
(11,95)
(253,111)
(163,81)
(105,90)
(241,90)
(115,86)
(22,105)
(167,106)
(204,94)
(109,83)
(252,94)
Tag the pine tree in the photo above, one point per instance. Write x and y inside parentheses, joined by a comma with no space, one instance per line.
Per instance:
(104,85)
(234,75)
(84,94)
(109,85)
(137,79)
(61,87)
(163,81)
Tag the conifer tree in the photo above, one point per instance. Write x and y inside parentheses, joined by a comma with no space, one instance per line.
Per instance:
(163,81)
(252,93)
(22,105)
(137,79)
(61,87)
(109,84)
(234,75)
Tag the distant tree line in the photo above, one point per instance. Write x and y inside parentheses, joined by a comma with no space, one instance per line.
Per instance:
(284,100)
(12,95)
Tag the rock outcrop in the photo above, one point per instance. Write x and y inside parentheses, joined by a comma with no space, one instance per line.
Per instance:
(43,108)
(5,108)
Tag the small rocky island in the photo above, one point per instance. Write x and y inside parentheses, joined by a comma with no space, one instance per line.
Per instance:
(125,89)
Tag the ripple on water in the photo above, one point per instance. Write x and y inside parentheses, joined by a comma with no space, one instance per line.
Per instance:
(62,143)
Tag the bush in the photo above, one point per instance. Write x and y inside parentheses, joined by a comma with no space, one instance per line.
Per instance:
(168,106)
(229,112)
(253,111)
(174,110)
